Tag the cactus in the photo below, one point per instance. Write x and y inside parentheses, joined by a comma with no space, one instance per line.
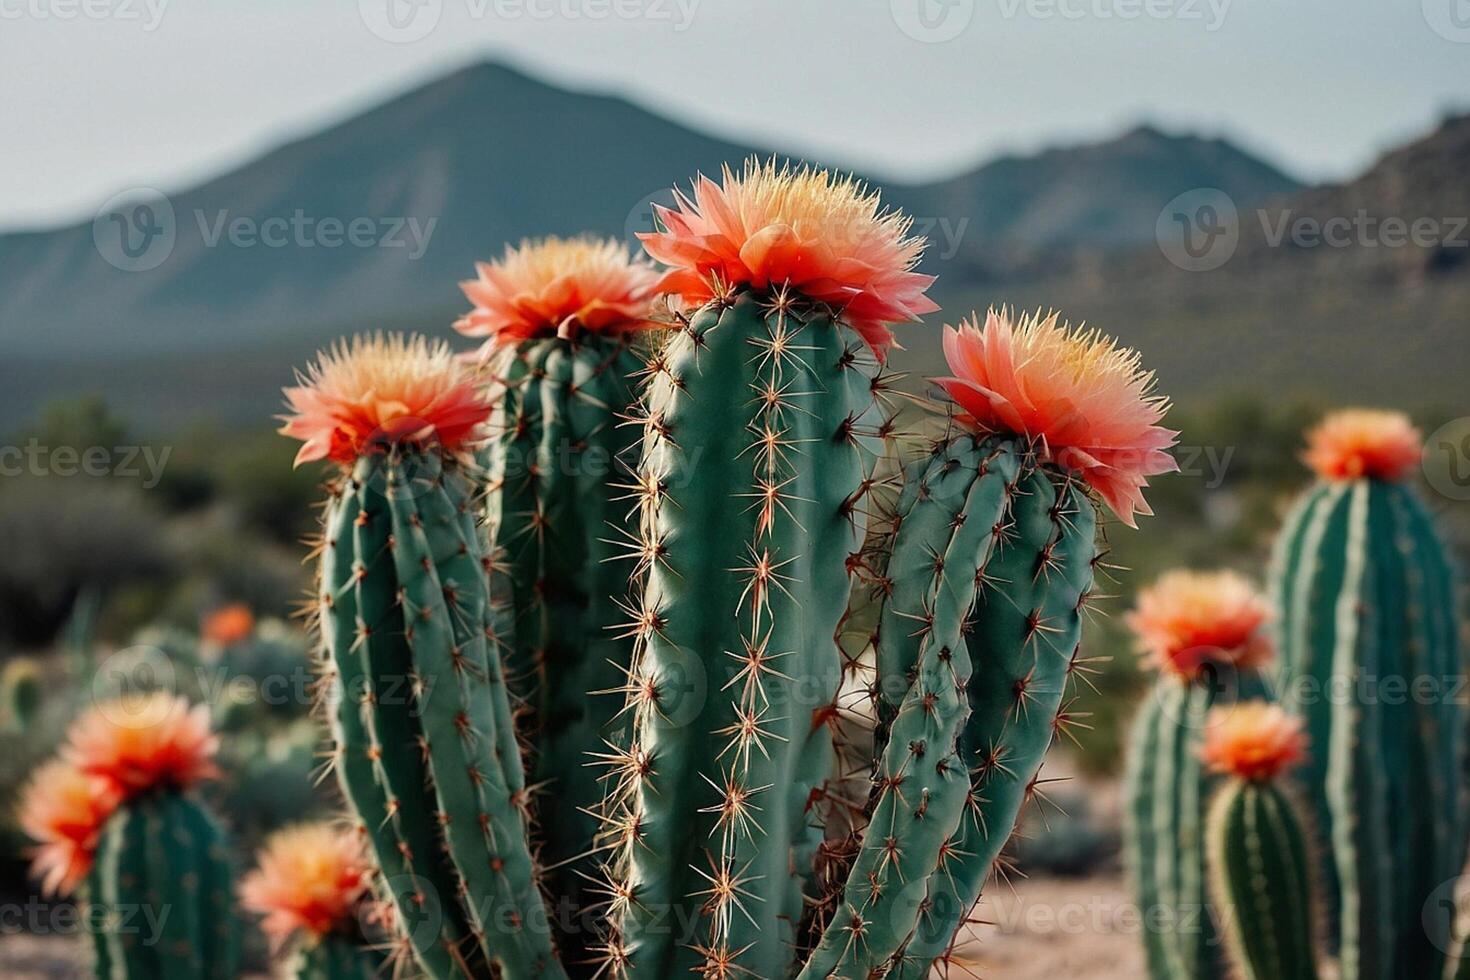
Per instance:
(312,886)
(991,566)
(1204,632)
(115,815)
(425,746)
(561,317)
(1367,598)
(161,894)
(1259,852)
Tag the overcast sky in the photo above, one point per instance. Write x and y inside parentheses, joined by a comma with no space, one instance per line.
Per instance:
(101,95)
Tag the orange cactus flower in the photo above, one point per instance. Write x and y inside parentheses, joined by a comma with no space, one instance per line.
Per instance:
(228,625)
(64,810)
(138,743)
(383,390)
(310,878)
(1253,740)
(1363,442)
(1187,619)
(825,236)
(559,287)
(1080,398)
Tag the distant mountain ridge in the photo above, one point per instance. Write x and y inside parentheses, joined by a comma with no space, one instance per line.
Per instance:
(262,256)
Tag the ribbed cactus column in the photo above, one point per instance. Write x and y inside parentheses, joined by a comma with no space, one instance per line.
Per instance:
(1204,633)
(1260,862)
(756,459)
(1370,660)
(162,894)
(425,742)
(561,320)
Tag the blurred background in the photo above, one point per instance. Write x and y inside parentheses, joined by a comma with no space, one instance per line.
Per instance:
(1270,202)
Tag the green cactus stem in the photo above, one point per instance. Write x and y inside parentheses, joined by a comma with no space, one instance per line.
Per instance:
(161,894)
(1261,875)
(557,472)
(1024,638)
(425,743)
(1369,660)
(757,456)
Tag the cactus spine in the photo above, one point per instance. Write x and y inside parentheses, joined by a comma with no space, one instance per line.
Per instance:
(425,743)
(1367,598)
(754,465)
(161,893)
(1261,874)
(556,469)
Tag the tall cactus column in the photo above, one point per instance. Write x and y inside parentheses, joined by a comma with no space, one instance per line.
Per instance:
(561,320)
(425,741)
(1370,659)
(1260,865)
(1205,635)
(755,461)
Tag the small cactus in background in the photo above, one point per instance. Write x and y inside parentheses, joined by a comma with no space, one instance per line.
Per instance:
(1205,634)
(560,318)
(1260,858)
(425,745)
(1366,593)
(312,885)
(20,687)
(116,812)
(762,428)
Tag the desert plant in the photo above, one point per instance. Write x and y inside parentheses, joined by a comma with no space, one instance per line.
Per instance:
(425,744)
(116,815)
(1204,633)
(560,318)
(1260,861)
(731,852)
(1369,660)
(312,885)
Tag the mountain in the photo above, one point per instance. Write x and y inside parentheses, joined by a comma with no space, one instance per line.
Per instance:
(247,273)
(1100,195)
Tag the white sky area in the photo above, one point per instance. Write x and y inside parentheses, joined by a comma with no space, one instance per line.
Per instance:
(100,95)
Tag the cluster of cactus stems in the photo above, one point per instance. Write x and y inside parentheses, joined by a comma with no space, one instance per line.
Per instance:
(1367,602)
(1364,603)
(765,564)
